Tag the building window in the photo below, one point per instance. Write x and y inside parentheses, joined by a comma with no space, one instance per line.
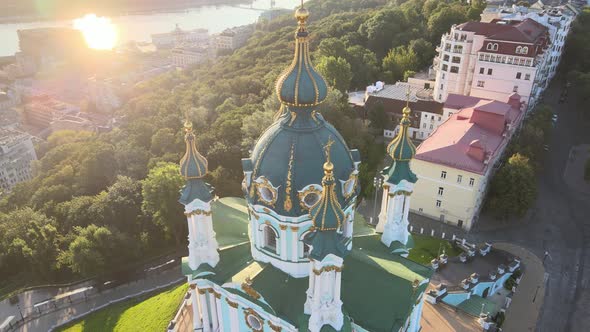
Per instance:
(459,178)
(424,126)
(445,67)
(471,181)
(421,209)
(425,115)
(525,50)
(431,127)
(442,86)
(443,174)
(456,59)
(439,118)
(446,57)
(438,203)
(454,69)
(527,77)
(481,70)
(518,75)
(489,71)
(270,238)
(441,190)
(515,88)
(518,49)
(480,84)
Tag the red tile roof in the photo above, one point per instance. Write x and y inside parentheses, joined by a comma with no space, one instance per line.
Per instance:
(470,136)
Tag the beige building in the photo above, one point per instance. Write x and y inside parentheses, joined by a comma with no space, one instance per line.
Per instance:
(455,164)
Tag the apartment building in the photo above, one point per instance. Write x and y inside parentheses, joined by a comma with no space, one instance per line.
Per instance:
(455,164)
(493,60)
(16,154)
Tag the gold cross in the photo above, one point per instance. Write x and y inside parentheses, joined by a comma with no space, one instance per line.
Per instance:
(328,147)
(408,97)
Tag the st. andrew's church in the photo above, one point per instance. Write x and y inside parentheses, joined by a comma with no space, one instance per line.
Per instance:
(302,269)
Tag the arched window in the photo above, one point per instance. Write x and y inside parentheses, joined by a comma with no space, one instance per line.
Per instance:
(270,238)
(489,47)
(525,50)
(495,47)
(518,49)
(305,248)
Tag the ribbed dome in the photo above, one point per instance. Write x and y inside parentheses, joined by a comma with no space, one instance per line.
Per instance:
(401,147)
(327,213)
(300,84)
(192,165)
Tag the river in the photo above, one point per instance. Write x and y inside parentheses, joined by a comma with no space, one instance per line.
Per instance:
(139,27)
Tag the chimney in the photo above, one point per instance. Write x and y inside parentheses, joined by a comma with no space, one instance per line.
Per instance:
(514,101)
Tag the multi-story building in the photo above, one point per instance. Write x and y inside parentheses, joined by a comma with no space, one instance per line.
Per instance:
(427,114)
(557,20)
(493,60)
(186,56)
(455,164)
(233,38)
(16,154)
(178,37)
(45,47)
(41,110)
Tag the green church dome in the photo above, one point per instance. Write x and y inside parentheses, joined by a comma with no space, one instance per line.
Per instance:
(284,162)
(193,167)
(401,147)
(300,84)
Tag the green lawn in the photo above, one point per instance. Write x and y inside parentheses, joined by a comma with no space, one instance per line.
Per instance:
(426,248)
(152,314)
(230,221)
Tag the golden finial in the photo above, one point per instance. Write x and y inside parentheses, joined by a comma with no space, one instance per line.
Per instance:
(406,111)
(328,166)
(301,15)
(188,126)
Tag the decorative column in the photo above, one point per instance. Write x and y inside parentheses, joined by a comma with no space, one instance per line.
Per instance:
(233,315)
(396,227)
(383,213)
(204,310)
(219,310)
(323,296)
(214,316)
(283,239)
(295,244)
(197,324)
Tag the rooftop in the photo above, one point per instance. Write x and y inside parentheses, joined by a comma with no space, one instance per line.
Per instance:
(526,31)
(471,138)
(393,98)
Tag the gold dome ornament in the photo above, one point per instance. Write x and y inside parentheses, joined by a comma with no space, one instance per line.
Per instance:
(302,14)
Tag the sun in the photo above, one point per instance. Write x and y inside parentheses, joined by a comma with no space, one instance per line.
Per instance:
(99,32)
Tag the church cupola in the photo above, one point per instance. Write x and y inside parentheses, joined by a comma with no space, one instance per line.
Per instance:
(397,188)
(301,85)
(328,248)
(196,196)
(281,182)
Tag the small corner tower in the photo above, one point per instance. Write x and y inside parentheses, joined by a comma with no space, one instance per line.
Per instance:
(398,186)
(328,248)
(196,196)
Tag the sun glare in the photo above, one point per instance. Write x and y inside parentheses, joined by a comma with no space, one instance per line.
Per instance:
(100,33)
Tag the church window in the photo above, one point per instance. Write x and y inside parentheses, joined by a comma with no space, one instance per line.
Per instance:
(309,196)
(441,190)
(471,181)
(270,238)
(266,192)
(349,186)
(306,249)
(438,203)
(254,322)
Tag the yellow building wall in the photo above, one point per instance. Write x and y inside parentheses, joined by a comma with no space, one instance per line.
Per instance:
(458,202)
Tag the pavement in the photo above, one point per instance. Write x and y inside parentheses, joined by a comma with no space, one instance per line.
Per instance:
(443,318)
(47,319)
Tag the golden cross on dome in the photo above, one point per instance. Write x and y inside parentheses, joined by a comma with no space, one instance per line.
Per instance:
(328,147)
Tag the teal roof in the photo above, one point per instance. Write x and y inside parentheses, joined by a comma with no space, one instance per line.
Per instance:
(301,85)
(389,291)
(289,153)
(193,167)
(401,147)
(398,171)
(473,306)
(327,217)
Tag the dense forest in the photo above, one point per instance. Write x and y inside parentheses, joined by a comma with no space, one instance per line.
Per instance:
(100,201)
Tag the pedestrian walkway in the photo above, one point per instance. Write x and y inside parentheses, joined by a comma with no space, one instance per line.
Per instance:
(60,315)
(523,313)
(443,318)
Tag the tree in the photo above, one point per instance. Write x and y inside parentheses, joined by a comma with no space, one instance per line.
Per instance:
(384,30)
(423,50)
(398,61)
(160,191)
(336,71)
(441,21)
(513,189)
(364,65)
(253,126)
(164,141)
(332,47)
